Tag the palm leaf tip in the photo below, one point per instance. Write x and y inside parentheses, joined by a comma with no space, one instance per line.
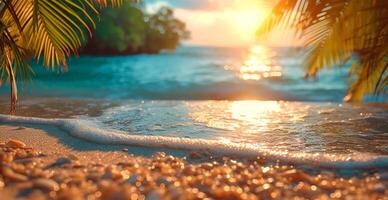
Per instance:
(334,30)
(49,30)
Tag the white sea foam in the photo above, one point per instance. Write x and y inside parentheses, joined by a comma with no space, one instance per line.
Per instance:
(86,130)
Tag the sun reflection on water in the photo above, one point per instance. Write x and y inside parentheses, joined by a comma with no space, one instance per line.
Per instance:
(259,64)
(253,111)
(263,122)
(246,116)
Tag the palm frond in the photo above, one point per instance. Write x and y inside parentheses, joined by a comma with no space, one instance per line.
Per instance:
(13,61)
(333,31)
(48,30)
(109,2)
(57,29)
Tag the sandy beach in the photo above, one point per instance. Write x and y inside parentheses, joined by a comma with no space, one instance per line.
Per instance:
(56,143)
(54,165)
(194,99)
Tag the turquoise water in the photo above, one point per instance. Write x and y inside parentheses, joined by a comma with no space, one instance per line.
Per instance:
(191,73)
(238,100)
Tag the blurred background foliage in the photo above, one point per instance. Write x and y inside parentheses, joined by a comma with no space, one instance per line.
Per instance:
(128,29)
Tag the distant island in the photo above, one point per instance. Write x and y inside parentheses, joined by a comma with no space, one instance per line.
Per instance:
(128,29)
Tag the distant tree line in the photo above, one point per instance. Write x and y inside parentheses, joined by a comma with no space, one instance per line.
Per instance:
(130,30)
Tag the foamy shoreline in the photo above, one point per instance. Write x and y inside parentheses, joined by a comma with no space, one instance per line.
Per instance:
(72,168)
(81,130)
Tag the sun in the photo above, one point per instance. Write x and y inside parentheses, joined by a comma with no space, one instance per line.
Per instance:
(232,24)
(247,20)
(246,16)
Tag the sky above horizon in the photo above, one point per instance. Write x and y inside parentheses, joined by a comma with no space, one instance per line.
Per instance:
(222,22)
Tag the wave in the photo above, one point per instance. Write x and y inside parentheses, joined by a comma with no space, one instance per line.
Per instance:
(86,130)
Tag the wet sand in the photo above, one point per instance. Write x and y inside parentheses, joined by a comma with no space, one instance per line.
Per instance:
(54,165)
(50,107)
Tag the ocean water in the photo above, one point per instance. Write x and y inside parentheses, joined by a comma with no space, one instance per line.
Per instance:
(242,101)
(192,73)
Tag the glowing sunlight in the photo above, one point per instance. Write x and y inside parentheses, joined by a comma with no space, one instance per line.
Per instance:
(259,64)
(245,116)
(253,111)
(194,99)
(234,22)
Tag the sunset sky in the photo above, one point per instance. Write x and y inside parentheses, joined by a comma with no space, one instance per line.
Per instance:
(222,22)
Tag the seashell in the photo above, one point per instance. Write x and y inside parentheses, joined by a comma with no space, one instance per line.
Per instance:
(13,176)
(46,184)
(15,143)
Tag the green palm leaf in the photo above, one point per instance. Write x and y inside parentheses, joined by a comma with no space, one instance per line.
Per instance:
(57,29)
(335,30)
(49,30)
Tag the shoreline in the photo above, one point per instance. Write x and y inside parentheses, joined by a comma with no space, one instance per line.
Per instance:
(47,137)
(84,132)
(106,171)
